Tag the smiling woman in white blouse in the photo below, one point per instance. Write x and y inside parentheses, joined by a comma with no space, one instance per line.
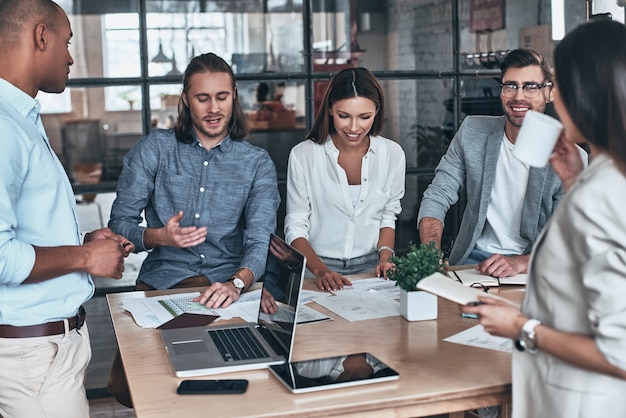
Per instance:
(344,184)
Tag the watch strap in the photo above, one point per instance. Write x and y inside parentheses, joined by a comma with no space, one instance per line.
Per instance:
(241,289)
(526,340)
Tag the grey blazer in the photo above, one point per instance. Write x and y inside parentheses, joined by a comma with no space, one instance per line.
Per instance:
(577,283)
(470,163)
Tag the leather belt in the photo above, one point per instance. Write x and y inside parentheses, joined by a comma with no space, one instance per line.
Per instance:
(42,330)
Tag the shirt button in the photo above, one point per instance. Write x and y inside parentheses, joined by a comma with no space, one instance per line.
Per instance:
(197,215)
(201,255)
(364,179)
(206,163)
(202,189)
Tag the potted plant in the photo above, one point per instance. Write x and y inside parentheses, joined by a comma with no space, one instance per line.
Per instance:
(418,263)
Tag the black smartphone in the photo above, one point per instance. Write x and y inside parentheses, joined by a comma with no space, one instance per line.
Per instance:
(215,387)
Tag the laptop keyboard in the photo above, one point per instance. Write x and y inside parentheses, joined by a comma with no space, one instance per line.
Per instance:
(237,344)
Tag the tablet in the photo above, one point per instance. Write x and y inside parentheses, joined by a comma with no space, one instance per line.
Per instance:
(333,372)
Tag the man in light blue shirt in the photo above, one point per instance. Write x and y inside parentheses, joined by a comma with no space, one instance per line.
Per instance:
(44,269)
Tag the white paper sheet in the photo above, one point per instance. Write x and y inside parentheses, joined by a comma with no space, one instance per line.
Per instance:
(384,287)
(150,312)
(476,336)
(357,305)
(307,296)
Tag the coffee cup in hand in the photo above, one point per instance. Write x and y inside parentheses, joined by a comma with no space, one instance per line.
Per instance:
(536,139)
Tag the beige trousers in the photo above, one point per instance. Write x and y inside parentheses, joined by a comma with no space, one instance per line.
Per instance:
(45,376)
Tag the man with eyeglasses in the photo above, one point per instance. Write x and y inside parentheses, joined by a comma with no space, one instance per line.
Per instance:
(508,202)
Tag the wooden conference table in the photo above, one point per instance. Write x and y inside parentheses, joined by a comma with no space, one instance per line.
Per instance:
(436,377)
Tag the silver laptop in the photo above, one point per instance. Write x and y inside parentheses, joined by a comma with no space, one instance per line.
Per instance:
(209,350)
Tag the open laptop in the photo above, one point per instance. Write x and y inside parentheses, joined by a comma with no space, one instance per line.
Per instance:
(209,350)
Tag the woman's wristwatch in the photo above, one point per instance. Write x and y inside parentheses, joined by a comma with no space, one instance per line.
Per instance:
(527,340)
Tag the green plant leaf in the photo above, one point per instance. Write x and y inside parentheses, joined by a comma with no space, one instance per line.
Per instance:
(418,263)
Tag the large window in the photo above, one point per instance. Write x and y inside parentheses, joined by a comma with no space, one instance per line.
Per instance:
(437,59)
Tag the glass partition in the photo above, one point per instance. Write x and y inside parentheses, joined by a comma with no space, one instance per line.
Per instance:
(439,59)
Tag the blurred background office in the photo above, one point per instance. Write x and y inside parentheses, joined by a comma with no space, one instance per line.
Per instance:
(437,60)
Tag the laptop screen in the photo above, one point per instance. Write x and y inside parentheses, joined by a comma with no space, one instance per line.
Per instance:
(282,282)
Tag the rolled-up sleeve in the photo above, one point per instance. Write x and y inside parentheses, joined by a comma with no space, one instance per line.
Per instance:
(592,225)
(604,277)
(17,258)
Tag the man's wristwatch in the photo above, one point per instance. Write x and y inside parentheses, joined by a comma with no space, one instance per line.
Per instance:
(238,283)
(526,340)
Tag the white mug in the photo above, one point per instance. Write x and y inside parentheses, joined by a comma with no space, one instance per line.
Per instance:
(536,138)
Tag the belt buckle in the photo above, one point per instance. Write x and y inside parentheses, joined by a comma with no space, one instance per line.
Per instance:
(79,321)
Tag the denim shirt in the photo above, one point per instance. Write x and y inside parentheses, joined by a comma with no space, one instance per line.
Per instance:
(231,189)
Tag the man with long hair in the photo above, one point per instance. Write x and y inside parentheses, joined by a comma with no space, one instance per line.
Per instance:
(210,198)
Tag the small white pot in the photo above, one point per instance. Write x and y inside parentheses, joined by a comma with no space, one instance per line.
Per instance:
(418,305)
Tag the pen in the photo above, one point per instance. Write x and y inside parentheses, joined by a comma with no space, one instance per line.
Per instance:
(475,303)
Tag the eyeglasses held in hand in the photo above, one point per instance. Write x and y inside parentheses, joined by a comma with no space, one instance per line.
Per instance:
(530,89)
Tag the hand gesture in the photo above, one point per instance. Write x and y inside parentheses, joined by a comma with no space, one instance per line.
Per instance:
(173,235)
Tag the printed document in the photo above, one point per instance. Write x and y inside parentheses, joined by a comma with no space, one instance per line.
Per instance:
(476,336)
